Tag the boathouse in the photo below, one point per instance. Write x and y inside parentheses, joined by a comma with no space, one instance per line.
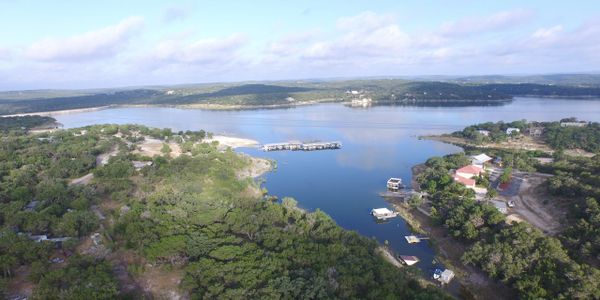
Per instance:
(383,213)
(394,183)
(409,260)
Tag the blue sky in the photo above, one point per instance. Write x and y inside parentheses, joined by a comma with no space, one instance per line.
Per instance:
(82,44)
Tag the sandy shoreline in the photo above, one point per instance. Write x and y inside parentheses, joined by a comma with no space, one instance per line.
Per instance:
(61,112)
(233,142)
(210,106)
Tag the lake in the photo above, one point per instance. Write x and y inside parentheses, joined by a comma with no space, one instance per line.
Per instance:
(378,143)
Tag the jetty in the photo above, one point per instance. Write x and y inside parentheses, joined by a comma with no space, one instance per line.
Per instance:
(302,146)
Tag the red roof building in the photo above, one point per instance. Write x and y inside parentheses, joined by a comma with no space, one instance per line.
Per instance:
(469,171)
(468,182)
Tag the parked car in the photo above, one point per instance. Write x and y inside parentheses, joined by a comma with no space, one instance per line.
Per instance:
(511,203)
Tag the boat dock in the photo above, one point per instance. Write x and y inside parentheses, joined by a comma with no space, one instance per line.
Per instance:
(302,146)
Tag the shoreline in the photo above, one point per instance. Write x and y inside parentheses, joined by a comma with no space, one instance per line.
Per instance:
(62,112)
(448,250)
(209,106)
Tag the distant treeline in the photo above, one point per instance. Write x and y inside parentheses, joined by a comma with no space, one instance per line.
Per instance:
(23,122)
(428,93)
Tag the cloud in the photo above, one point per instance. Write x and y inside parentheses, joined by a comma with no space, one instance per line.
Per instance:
(176,13)
(365,35)
(5,53)
(548,33)
(365,21)
(91,45)
(203,51)
(483,24)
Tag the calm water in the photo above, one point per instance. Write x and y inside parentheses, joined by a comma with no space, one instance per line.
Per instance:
(379,143)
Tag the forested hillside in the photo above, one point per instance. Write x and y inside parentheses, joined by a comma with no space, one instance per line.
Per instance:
(87,214)
(248,95)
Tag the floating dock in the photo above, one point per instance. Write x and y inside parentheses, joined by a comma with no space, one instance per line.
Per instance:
(302,146)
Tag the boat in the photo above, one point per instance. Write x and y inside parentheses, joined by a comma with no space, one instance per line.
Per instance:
(411,239)
(437,274)
(409,259)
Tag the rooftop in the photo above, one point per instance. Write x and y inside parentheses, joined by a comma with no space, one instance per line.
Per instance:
(470,169)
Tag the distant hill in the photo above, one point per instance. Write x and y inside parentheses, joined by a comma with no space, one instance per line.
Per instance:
(556,79)
(464,91)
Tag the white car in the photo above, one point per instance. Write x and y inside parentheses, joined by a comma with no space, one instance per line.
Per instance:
(511,203)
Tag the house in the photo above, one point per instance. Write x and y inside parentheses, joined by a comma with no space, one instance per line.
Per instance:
(469,171)
(383,213)
(500,206)
(536,131)
(573,124)
(468,182)
(480,160)
(510,130)
(446,276)
(484,132)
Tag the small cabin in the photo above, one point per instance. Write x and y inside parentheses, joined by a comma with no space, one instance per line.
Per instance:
(383,213)
(394,183)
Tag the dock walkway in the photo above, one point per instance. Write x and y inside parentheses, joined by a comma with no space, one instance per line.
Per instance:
(302,146)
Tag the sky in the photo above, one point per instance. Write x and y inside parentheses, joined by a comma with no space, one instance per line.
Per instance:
(73,44)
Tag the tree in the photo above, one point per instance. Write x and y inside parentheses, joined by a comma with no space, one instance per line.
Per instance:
(415,200)
(166,149)
(491,193)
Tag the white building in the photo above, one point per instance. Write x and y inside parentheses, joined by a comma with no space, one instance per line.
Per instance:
(480,160)
(510,130)
(484,132)
(446,276)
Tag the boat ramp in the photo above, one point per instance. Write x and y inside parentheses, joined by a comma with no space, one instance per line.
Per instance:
(302,146)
